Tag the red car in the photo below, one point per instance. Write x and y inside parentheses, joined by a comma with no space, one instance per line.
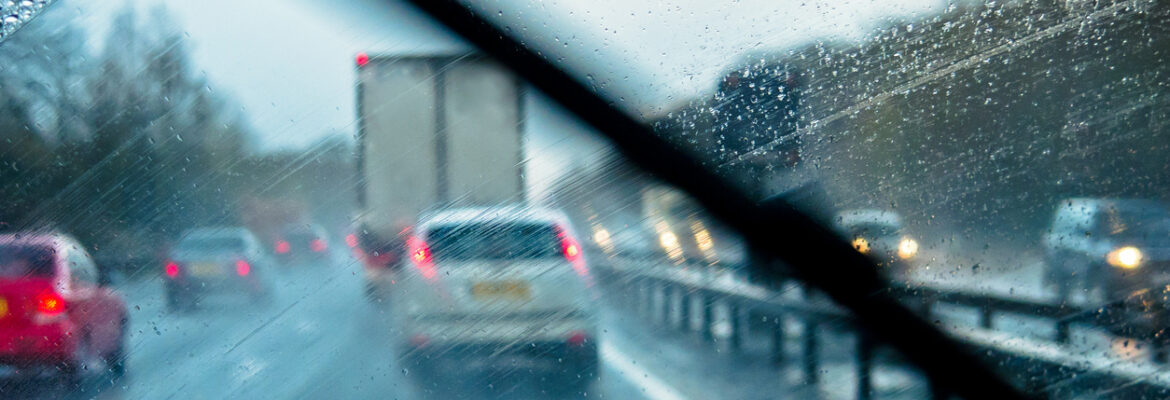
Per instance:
(53,312)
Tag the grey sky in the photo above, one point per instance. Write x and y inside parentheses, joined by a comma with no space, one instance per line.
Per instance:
(289,63)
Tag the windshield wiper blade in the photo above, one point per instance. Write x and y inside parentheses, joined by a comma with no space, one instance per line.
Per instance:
(775,230)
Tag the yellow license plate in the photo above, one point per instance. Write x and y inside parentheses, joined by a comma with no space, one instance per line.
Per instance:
(3,307)
(509,290)
(205,269)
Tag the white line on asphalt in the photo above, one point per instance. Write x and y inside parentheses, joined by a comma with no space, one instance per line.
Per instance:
(650,384)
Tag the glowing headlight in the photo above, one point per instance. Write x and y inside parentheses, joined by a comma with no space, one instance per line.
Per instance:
(861,245)
(1127,257)
(601,236)
(668,240)
(907,248)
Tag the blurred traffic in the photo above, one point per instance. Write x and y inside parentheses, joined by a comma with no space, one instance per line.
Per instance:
(452,233)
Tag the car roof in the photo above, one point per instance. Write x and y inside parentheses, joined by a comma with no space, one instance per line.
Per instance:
(497,214)
(302,227)
(1078,202)
(33,239)
(868,216)
(216,232)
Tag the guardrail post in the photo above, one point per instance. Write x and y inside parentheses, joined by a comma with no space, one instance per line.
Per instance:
(864,366)
(662,307)
(778,341)
(708,317)
(1062,330)
(735,320)
(1158,349)
(645,300)
(811,367)
(985,317)
(925,303)
(684,311)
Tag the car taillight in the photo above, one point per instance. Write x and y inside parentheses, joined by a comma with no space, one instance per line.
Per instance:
(420,255)
(351,240)
(172,270)
(571,249)
(420,252)
(317,245)
(282,247)
(577,339)
(419,341)
(50,303)
(243,268)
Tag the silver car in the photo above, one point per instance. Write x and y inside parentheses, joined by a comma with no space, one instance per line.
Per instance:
(209,261)
(491,288)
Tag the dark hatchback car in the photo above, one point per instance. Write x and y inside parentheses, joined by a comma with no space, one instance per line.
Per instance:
(215,261)
(301,244)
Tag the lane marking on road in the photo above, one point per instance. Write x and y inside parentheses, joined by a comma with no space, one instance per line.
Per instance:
(653,386)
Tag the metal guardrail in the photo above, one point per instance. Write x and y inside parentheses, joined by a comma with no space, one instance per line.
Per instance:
(1044,366)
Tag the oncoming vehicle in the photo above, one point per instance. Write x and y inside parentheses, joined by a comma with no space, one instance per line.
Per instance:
(490,288)
(301,243)
(879,234)
(53,312)
(215,260)
(1112,247)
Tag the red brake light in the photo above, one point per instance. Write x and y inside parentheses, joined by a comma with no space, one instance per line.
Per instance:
(50,303)
(362,59)
(282,247)
(572,251)
(420,252)
(420,255)
(577,339)
(172,270)
(570,248)
(351,240)
(243,268)
(317,245)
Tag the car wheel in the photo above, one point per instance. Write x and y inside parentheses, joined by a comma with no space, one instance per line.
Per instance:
(179,302)
(262,297)
(75,371)
(116,360)
(581,371)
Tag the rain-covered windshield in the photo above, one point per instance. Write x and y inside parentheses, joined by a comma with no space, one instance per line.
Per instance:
(402,212)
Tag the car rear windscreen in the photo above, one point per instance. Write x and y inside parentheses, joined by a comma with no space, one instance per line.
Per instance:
(873,230)
(1136,221)
(212,244)
(494,241)
(21,261)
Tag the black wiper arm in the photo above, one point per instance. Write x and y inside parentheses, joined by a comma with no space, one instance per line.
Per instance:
(777,231)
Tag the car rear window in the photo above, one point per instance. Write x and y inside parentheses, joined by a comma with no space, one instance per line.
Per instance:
(873,229)
(22,261)
(1124,220)
(302,237)
(494,241)
(212,244)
